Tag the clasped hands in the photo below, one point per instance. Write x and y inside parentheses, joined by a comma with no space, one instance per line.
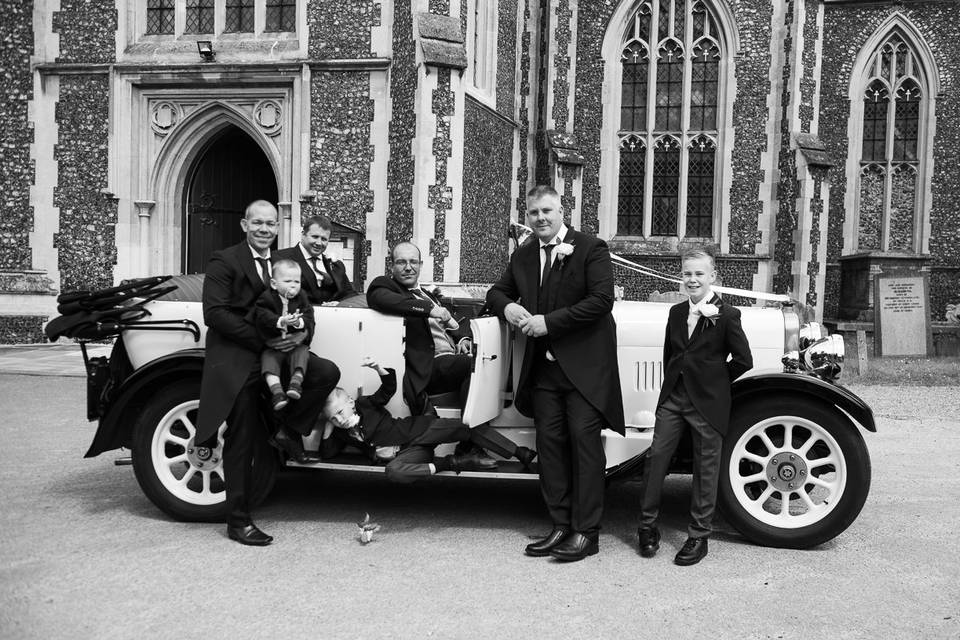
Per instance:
(288,342)
(530,325)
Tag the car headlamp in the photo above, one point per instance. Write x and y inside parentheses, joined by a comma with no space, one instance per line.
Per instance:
(824,357)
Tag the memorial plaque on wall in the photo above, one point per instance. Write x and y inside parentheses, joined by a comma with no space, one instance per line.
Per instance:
(901,316)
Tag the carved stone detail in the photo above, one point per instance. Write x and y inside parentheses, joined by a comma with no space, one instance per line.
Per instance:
(269,115)
(165,116)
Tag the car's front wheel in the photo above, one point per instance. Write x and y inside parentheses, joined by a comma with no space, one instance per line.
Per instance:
(183,480)
(795,472)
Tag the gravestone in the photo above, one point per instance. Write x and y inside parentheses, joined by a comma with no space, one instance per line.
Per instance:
(902,318)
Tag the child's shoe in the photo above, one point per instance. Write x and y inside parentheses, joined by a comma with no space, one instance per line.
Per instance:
(295,390)
(277,397)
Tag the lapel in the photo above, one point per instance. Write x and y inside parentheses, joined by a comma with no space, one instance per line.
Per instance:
(559,270)
(702,322)
(530,264)
(249,266)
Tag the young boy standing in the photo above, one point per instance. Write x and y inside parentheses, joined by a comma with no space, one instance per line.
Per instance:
(701,333)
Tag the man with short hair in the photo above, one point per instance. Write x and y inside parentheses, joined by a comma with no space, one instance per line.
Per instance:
(325,277)
(437,355)
(231,383)
(558,291)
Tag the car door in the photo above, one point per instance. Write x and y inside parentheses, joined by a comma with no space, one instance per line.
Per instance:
(490,344)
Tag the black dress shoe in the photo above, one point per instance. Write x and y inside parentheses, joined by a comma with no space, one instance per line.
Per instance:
(525,455)
(291,446)
(649,541)
(692,552)
(543,546)
(249,535)
(576,547)
(473,461)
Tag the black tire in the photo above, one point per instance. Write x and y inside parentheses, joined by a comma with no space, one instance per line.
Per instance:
(825,461)
(161,439)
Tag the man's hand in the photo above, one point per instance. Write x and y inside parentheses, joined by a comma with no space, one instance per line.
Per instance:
(465,346)
(515,313)
(288,343)
(534,326)
(440,313)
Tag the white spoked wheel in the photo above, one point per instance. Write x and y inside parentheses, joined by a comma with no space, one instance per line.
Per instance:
(795,471)
(188,472)
(186,481)
(780,478)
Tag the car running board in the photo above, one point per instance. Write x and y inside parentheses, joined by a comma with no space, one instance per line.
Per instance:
(505,470)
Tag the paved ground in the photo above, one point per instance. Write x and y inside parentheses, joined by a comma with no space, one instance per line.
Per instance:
(84,555)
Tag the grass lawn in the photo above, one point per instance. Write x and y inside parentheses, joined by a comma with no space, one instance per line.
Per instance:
(907,371)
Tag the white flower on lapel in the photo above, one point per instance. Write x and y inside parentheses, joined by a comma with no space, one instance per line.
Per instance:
(331,256)
(562,250)
(710,312)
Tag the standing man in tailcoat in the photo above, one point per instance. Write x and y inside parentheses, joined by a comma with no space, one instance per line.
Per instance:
(231,384)
(558,291)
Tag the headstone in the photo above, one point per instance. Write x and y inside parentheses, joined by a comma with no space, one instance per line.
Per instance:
(902,318)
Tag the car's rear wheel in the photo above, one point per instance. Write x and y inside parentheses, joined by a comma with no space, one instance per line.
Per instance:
(183,480)
(795,472)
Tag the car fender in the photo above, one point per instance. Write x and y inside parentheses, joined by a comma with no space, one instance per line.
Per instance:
(805,385)
(115,425)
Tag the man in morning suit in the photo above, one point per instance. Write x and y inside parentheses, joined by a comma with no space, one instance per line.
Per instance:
(437,352)
(558,291)
(324,276)
(695,395)
(231,384)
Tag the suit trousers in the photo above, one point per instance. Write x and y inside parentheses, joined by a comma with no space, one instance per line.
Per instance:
(271,360)
(572,461)
(451,373)
(245,427)
(673,418)
(414,459)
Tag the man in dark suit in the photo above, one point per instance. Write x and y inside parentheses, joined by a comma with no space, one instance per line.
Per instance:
(324,276)
(437,351)
(558,291)
(701,333)
(231,384)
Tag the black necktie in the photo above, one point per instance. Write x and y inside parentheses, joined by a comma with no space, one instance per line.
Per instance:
(319,270)
(264,271)
(548,249)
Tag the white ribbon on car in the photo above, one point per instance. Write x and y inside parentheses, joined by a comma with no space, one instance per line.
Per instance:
(520,232)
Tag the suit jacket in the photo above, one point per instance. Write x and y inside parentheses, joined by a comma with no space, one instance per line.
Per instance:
(230,288)
(580,327)
(337,289)
(702,360)
(269,308)
(388,296)
(380,429)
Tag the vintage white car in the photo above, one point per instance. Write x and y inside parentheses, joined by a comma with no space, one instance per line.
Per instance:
(795,473)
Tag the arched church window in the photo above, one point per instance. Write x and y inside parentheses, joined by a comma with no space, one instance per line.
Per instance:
(888,203)
(670,62)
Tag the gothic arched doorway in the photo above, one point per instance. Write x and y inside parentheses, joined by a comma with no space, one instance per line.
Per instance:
(228,174)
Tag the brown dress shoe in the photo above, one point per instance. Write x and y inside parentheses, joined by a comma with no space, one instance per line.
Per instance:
(576,547)
(543,546)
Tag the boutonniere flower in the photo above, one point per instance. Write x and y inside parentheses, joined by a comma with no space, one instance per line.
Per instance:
(711,312)
(331,256)
(562,250)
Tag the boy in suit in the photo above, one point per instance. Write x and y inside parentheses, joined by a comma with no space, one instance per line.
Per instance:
(366,423)
(281,307)
(701,333)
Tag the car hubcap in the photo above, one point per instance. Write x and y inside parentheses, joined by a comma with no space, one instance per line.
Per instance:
(787,472)
(191,473)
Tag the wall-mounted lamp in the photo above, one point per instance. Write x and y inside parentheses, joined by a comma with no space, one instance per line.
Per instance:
(205,47)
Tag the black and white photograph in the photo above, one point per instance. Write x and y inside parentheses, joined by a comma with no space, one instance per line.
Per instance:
(475,319)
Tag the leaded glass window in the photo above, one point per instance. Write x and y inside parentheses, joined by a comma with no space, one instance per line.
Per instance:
(160,16)
(670,84)
(281,15)
(889,165)
(199,16)
(239,16)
